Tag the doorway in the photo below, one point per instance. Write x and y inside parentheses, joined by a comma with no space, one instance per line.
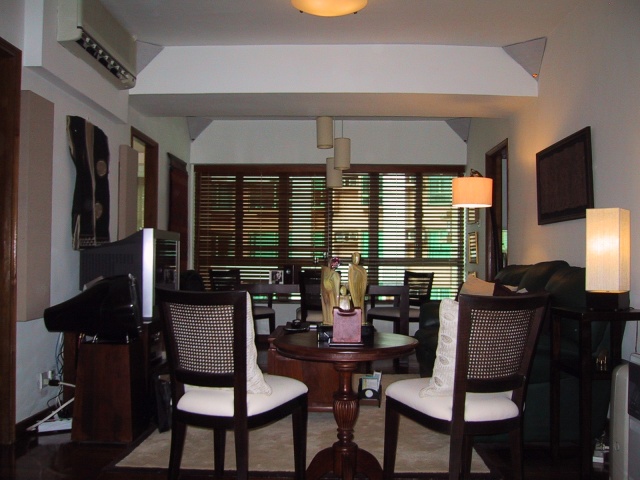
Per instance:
(496,228)
(10,72)
(147,149)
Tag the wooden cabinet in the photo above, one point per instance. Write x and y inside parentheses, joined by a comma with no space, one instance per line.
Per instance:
(113,394)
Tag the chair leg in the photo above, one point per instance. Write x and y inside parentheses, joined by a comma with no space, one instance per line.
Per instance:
(391,424)
(299,423)
(272,323)
(517,464)
(467,452)
(455,455)
(219,446)
(241,437)
(178,433)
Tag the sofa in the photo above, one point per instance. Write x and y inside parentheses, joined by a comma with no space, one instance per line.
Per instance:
(566,286)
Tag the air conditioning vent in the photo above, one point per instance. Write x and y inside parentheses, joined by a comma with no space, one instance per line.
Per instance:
(90,32)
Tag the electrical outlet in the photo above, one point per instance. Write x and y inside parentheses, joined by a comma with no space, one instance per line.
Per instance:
(43,379)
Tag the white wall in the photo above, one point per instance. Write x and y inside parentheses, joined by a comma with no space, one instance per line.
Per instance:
(484,135)
(294,141)
(36,347)
(589,77)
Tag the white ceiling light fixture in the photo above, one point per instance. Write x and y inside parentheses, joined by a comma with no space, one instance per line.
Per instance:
(329,8)
(324,132)
(342,152)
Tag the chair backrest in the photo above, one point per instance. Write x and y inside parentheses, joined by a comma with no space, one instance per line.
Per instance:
(495,343)
(205,335)
(224,280)
(310,296)
(420,285)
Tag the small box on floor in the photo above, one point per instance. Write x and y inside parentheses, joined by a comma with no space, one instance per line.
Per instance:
(370,389)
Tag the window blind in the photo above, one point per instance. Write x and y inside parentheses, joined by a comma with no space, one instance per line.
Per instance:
(260,218)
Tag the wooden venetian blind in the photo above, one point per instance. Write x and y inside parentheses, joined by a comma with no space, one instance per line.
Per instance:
(261,218)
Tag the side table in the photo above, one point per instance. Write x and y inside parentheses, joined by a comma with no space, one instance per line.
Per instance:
(585,372)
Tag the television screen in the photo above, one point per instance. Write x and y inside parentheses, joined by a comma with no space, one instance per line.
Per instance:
(152,256)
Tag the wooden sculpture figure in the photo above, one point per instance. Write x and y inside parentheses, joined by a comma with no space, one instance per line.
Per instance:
(330,291)
(357,281)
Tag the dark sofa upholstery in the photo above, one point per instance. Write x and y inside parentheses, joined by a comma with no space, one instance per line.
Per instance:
(566,285)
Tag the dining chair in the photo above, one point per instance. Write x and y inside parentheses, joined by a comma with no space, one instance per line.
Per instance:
(261,293)
(223,280)
(230,279)
(310,296)
(479,382)
(420,285)
(216,382)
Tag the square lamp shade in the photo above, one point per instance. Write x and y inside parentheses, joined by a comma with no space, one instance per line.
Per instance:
(472,192)
(608,261)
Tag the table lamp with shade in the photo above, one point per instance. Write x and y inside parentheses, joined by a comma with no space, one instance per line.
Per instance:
(608,258)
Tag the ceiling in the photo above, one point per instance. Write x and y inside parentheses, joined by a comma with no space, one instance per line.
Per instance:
(488,23)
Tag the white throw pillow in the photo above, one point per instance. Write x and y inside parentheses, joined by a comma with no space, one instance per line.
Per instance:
(255,379)
(441,383)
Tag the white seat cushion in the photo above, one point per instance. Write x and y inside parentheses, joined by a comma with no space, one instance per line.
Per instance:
(219,401)
(479,407)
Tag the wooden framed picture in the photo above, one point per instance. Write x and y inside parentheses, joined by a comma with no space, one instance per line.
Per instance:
(472,240)
(565,179)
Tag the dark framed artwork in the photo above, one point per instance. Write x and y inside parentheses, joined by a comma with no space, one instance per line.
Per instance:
(565,179)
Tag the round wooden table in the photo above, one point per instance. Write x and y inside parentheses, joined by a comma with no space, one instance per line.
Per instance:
(344,459)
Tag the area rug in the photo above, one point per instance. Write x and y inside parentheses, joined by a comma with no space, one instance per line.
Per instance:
(420,450)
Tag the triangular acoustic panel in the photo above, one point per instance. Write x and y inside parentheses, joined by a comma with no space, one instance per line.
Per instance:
(528,54)
(197,125)
(460,126)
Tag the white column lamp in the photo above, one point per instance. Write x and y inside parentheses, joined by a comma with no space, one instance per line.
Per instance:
(324,132)
(334,177)
(342,153)
(608,262)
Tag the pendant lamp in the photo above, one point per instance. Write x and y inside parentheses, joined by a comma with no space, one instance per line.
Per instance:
(334,177)
(342,152)
(324,132)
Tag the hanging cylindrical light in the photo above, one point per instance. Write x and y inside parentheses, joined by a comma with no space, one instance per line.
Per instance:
(342,152)
(334,177)
(324,132)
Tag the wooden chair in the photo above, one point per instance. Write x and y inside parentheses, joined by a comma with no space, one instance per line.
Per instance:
(261,292)
(496,338)
(229,280)
(210,344)
(310,299)
(224,280)
(420,285)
